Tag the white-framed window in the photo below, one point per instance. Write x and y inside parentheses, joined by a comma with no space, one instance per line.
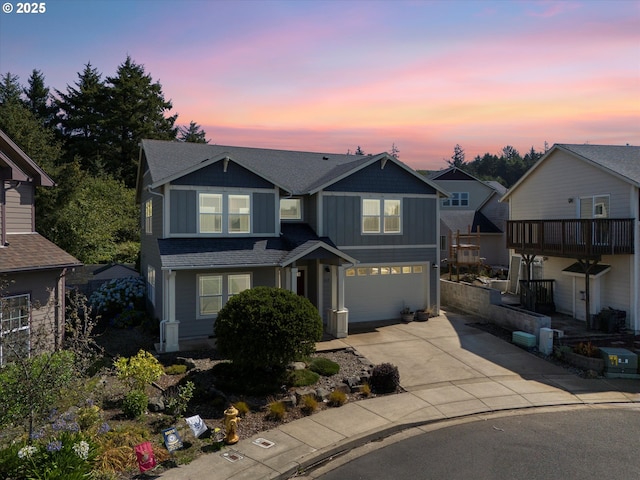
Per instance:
(151,285)
(148,216)
(290,209)
(215,290)
(380,215)
(224,213)
(210,212)
(596,206)
(457,199)
(15,322)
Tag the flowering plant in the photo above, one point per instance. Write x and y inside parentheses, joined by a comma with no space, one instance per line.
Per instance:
(121,297)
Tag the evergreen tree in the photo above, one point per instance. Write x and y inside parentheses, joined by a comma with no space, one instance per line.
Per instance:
(10,89)
(359,151)
(136,111)
(457,159)
(83,112)
(193,133)
(38,98)
(395,151)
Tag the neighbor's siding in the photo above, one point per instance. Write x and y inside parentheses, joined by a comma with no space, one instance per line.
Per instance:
(545,195)
(19,207)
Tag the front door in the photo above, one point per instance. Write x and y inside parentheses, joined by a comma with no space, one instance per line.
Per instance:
(301,285)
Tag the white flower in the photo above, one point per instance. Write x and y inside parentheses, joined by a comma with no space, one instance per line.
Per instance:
(81,449)
(27,451)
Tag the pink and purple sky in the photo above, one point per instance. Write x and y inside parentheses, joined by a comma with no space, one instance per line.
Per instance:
(331,75)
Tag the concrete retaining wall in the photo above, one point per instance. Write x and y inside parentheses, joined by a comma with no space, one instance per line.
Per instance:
(487,303)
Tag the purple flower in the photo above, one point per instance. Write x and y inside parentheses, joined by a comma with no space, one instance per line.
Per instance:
(58,425)
(73,427)
(104,428)
(54,446)
(37,435)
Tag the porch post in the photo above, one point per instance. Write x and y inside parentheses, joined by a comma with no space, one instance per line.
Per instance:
(294,279)
(340,288)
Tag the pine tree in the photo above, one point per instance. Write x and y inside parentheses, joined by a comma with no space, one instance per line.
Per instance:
(83,113)
(457,159)
(10,89)
(136,111)
(193,133)
(38,99)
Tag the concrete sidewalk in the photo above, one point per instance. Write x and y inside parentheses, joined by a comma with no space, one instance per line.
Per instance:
(447,369)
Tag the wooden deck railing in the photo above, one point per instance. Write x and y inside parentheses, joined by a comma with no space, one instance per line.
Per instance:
(574,238)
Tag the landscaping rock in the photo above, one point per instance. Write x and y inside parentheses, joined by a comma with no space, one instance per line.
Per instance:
(297,366)
(189,362)
(322,394)
(156,404)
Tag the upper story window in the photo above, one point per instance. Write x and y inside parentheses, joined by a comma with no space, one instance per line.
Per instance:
(148,216)
(594,207)
(457,199)
(290,209)
(381,215)
(226,213)
(15,316)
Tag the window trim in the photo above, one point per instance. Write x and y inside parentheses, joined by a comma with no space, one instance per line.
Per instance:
(382,216)
(298,200)
(148,216)
(225,215)
(151,285)
(10,331)
(224,295)
(462,199)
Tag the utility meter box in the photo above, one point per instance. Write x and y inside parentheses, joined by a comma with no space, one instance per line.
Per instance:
(619,362)
(545,344)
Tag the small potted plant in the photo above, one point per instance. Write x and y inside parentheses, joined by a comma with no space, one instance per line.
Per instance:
(406,314)
(423,314)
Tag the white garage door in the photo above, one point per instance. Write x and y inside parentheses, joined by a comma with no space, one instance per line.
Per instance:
(379,292)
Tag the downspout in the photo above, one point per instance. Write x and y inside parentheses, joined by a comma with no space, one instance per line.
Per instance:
(3,213)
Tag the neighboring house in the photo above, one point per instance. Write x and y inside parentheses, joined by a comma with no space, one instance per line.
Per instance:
(32,269)
(473,204)
(357,235)
(88,278)
(577,211)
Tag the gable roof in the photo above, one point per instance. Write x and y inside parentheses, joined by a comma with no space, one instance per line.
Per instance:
(19,165)
(293,171)
(297,240)
(31,251)
(622,161)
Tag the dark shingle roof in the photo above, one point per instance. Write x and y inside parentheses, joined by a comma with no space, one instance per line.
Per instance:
(294,171)
(460,220)
(296,240)
(31,251)
(621,159)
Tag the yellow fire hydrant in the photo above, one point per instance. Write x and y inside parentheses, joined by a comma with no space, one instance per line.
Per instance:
(231,425)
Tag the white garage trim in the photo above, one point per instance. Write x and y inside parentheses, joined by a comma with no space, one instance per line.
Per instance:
(376,292)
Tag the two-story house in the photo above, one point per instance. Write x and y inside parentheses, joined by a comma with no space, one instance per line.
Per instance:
(577,212)
(473,207)
(357,235)
(32,269)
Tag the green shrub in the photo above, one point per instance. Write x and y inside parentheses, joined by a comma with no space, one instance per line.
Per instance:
(385,378)
(587,349)
(177,404)
(309,404)
(276,410)
(135,404)
(303,378)
(337,398)
(139,370)
(267,327)
(323,366)
(175,369)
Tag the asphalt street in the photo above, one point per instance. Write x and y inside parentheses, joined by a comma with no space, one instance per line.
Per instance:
(575,443)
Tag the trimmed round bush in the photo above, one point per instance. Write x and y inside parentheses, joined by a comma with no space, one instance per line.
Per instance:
(266,327)
(324,366)
(385,378)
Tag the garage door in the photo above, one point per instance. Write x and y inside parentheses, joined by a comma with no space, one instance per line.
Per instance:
(379,292)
